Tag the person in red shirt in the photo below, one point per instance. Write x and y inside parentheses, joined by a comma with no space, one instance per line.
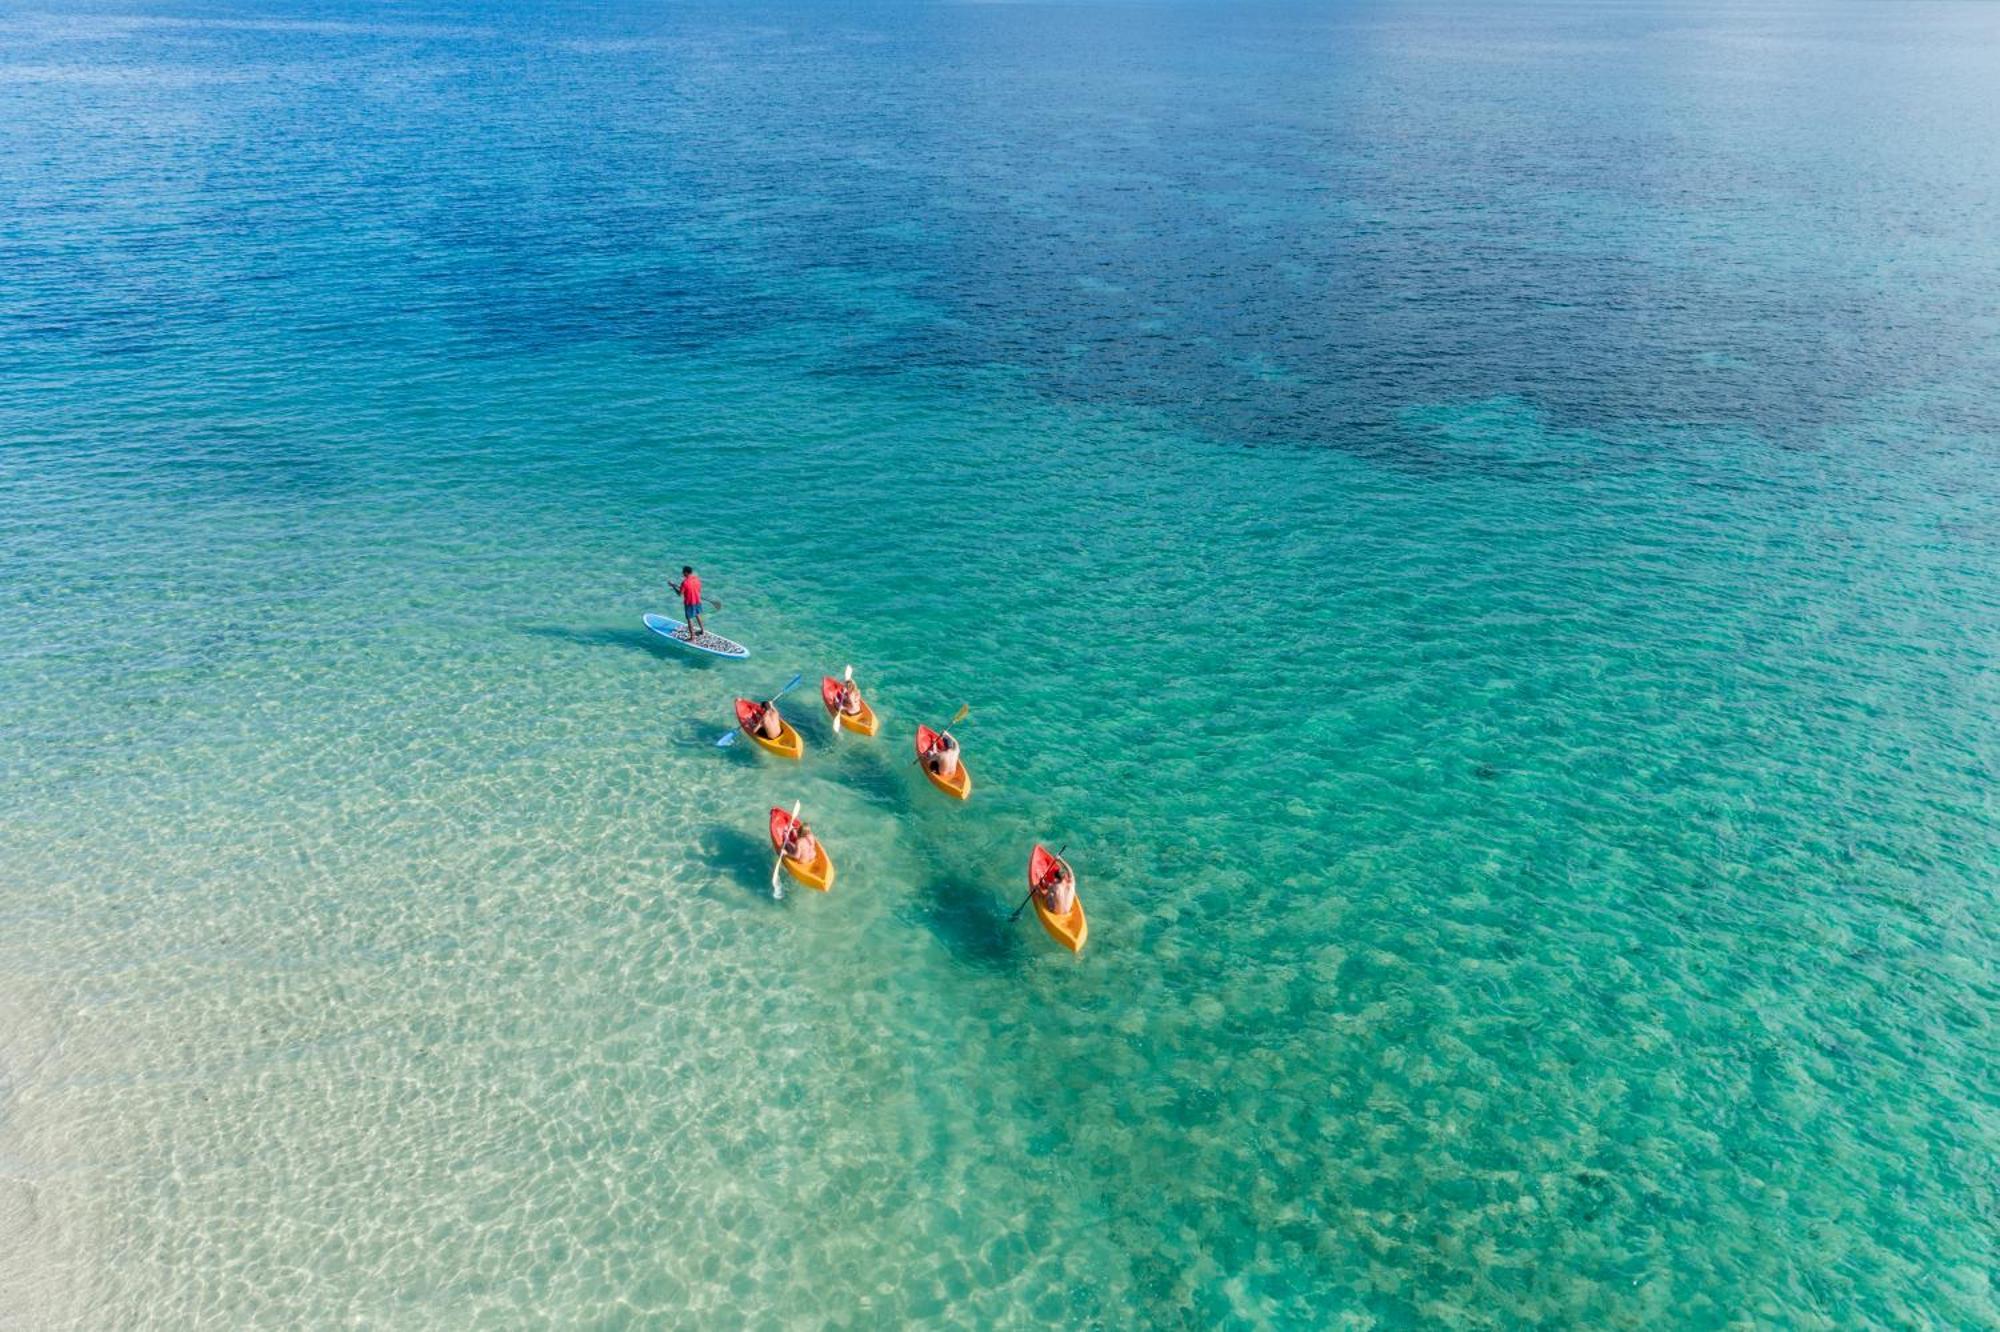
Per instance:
(690,589)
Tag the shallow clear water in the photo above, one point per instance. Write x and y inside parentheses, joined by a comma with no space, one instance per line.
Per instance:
(1478,527)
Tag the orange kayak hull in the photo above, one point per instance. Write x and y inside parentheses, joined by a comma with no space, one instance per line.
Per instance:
(1072,931)
(819,874)
(861,723)
(959,785)
(789,744)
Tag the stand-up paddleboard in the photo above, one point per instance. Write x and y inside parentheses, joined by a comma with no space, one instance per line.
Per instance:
(676,632)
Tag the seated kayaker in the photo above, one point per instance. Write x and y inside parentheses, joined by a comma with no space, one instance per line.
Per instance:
(850,699)
(767,722)
(1058,889)
(943,757)
(800,844)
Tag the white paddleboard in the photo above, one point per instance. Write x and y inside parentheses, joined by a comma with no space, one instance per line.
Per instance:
(676,632)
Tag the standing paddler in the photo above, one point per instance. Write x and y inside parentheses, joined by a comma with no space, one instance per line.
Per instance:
(690,589)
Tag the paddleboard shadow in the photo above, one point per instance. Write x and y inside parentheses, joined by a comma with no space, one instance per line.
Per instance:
(637,640)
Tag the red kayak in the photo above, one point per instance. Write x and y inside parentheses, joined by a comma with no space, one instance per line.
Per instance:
(787,745)
(861,723)
(1070,930)
(819,874)
(959,784)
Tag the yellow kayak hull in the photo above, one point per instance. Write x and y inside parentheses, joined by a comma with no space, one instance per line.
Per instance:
(861,723)
(819,874)
(959,785)
(1072,930)
(789,743)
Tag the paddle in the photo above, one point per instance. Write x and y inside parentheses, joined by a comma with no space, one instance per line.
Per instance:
(729,737)
(777,889)
(956,718)
(707,606)
(845,679)
(689,626)
(1031,892)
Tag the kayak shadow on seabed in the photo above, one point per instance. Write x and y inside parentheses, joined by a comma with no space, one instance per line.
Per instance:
(701,728)
(743,860)
(963,916)
(876,778)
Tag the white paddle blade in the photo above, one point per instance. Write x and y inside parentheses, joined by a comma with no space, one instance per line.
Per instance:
(777,888)
(726,741)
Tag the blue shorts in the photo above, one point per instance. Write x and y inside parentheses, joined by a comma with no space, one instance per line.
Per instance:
(691,608)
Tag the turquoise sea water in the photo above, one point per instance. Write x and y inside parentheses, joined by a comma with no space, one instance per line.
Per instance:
(1477,525)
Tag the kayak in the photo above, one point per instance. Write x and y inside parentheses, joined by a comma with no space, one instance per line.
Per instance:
(959,784)
(1072,930)
(861,723)
(715,644)
(819,874)
(787,745)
